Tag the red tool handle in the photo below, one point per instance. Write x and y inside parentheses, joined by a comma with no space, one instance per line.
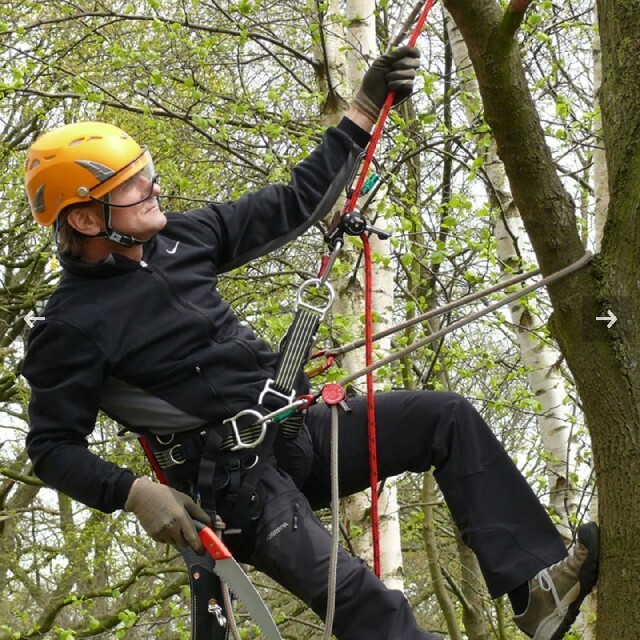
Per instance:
(211,542)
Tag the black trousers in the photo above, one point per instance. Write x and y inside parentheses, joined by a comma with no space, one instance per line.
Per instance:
(498,514)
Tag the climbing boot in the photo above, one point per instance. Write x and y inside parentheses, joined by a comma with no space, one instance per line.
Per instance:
(555,594)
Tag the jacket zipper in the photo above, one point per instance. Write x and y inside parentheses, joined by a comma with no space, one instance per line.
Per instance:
(176,302)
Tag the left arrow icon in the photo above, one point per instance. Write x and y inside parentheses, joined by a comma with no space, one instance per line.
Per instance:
(31,319)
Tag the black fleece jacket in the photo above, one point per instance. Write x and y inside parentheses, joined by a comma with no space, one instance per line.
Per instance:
(159,325)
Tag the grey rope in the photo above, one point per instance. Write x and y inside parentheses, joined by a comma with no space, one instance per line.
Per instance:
(433,313)
(335,526)
(463,321)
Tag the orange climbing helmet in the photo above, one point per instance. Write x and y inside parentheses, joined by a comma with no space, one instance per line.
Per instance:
(79,162)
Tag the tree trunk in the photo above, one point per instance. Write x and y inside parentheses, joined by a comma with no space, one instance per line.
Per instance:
(473,592)
(600,173)
(431,546)
(603,361)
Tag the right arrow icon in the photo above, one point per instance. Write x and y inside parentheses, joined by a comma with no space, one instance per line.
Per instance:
(611,318)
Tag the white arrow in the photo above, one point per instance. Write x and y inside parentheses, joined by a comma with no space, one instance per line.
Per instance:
(611,318)
(30,319)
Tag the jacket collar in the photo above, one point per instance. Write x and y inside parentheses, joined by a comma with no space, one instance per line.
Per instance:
(112,265)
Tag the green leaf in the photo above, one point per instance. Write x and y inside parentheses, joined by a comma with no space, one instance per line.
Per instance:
(128,617)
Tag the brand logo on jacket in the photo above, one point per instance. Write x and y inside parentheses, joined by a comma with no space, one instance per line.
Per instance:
(172,251)
(273,533)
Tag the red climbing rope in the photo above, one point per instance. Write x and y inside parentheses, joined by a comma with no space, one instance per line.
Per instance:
(368,314)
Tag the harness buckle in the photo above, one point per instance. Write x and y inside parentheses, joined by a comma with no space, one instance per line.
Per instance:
(240,443)
(268,389)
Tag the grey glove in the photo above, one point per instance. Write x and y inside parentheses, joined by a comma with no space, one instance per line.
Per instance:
(394,71)
(166,514)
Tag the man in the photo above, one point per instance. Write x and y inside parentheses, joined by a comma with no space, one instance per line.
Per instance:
(137,329)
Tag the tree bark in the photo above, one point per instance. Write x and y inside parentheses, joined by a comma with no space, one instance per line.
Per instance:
(474,592)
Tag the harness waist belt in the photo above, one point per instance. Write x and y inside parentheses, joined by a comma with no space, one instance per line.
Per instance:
(186,446)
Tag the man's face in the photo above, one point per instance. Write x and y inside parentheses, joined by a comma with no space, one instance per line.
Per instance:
(143,219)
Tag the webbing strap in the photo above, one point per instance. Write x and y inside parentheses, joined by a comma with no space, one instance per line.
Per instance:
(296,346)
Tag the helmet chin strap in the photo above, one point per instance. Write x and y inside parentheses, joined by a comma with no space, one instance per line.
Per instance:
(111,234)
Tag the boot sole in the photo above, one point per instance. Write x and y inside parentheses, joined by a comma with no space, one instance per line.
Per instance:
(589,536)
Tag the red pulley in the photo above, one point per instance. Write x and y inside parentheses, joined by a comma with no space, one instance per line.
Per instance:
(332,393)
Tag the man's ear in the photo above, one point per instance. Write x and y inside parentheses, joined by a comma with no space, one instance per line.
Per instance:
(86,220)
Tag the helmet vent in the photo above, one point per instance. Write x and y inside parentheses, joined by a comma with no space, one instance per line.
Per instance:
(35,164)
(38,200)
(75,142)
(100,171)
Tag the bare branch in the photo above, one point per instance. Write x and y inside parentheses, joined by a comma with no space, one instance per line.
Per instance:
(253,35)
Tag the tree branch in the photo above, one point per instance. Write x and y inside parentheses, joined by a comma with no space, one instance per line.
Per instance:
(514,16)
(253,35)
(21,477)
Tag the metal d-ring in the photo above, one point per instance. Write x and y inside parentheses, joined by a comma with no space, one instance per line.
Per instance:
(165,440)
(318,283)
(240,444)
(178,449)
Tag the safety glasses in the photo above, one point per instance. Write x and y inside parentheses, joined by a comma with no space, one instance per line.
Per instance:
(135,189)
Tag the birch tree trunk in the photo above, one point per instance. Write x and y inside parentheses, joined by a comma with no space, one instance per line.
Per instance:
(346,71)
(542,361)
(331,70)
(600,173)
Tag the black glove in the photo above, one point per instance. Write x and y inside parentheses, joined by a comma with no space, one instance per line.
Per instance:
(166,514)
(394,71)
